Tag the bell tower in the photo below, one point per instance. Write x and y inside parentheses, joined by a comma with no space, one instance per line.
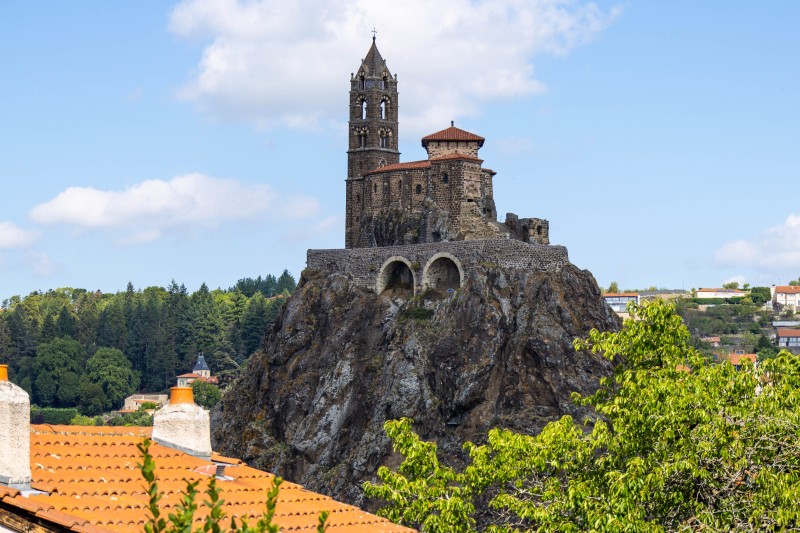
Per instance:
(372,132)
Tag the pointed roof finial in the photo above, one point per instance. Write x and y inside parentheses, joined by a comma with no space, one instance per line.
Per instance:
(452,123)
(374,34)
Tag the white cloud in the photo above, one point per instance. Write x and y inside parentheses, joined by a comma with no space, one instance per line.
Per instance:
(288,63)
(147,210)
(776,247)
(12,236)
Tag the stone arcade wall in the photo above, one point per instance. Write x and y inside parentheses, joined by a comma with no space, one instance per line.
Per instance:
(365,266)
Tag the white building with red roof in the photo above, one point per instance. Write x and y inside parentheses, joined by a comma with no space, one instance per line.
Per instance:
(787,296)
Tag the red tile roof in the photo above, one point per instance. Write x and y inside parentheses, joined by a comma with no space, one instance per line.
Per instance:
(737,359)
(189,375)
(787,289)
(616,294)
(452,134)
(411,165)
(788,332)
(91,482)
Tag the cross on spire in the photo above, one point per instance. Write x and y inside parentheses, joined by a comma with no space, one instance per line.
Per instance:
(374,34)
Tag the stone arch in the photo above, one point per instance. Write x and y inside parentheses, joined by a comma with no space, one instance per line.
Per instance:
(396,278)
(442,272)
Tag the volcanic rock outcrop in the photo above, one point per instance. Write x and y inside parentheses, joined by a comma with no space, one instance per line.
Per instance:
(341,360)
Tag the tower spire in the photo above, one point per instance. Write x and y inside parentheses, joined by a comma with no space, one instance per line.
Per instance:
(374,34)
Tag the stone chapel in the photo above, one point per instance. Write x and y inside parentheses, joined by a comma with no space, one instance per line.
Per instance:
(446,197)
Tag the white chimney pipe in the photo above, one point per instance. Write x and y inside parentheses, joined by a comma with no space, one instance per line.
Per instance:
(183,425)
(15,433)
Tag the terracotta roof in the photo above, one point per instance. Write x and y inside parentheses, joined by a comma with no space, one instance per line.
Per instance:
(737,359)
(616,294)
(456,155)
(91,482)
(787,289)
(788,332)
(452,134)
(411,165)
(189,375)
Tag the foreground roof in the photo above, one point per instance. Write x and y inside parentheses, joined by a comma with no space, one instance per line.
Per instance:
(788,332)
(89,481)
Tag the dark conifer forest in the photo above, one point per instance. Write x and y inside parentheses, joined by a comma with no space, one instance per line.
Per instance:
(86,349)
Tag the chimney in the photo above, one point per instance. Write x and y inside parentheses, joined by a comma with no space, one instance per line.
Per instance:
(15,433)
(183,425)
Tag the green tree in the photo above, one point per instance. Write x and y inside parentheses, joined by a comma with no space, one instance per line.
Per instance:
(205,394)
(57,370)
(760,295)
(93,398)
(709,449)
(254,324)
(109,369)
(286,283)
(731,285)
(614,287)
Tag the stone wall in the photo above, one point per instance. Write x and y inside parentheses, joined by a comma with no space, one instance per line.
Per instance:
(366,267)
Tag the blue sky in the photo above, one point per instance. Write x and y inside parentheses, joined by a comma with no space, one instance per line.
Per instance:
(204,140)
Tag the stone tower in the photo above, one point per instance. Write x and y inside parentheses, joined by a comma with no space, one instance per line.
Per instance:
(372,132)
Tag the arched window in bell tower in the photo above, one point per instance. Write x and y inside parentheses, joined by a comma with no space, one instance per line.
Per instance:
(363,109)
(383,109)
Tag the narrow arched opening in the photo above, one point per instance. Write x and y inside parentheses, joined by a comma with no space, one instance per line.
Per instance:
(396,280)
(442,276)
(363,109)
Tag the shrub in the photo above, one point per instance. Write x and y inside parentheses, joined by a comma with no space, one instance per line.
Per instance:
(52,415)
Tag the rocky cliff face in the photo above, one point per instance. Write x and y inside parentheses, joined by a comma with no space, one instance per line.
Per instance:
(341,360)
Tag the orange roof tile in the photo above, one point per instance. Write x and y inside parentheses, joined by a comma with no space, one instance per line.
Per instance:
(787,289)
(788,332)
(411,165)
(737,359)
(189,375)
(617,294)
(452,134)
(91,482)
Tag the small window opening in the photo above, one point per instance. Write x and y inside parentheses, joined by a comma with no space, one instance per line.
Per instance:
(363,109)
(383,109)
(445,178)
(375,187)
(419,189)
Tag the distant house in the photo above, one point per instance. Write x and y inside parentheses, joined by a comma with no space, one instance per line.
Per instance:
(738,359)
(618,301)
(199,372)
(786,296)
(713,341)
(719,293)
(133,402)
(788,338)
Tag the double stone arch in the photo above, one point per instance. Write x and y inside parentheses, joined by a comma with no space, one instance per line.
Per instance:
(399,277)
